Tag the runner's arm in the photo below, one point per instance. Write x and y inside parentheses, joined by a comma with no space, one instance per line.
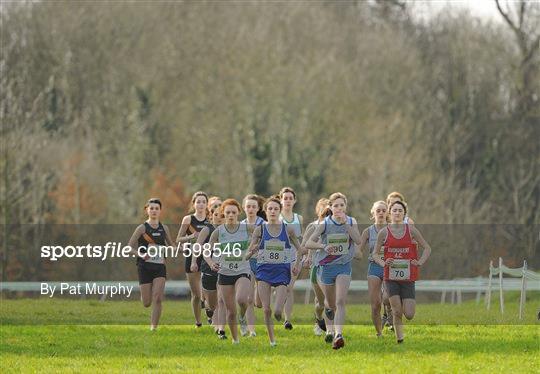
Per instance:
(381,238)
(182,237)
(133,243)
(255,240)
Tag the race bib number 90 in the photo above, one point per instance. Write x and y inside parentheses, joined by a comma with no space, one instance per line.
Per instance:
(340,242)
(400,270)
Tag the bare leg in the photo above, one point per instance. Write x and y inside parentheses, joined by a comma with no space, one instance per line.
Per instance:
(220,311)
(281,296)
(228,293)
(374,289)
(146,294)
(409,308)
(397,311)
(194,280)
(342,288)
(250,313)
(265,290)
(158,287)
(242,287)
(289,302)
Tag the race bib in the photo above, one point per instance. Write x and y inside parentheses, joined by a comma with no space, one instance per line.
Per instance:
(340,242)
(400,270)
(233,255)
(154,250)
(274,252)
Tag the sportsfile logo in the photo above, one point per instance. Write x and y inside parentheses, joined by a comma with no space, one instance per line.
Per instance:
(117,250)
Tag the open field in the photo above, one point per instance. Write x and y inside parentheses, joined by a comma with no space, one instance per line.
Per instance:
(73,335)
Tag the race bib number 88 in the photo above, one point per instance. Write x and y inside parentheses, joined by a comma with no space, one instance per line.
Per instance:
(274,252)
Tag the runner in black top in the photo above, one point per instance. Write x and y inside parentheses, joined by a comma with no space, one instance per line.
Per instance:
(191,225)
(145,241)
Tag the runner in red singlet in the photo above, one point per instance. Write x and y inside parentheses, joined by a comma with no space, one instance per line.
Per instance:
(401,264)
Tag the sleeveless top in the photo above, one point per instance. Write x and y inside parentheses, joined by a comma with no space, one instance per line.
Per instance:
(297,227)
(336,234)
(151,237)
(402,251)
(372,240)
(274,249)
(234,247)
(205,268)
(319,253)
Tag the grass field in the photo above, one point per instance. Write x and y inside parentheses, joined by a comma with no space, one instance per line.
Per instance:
(74,335)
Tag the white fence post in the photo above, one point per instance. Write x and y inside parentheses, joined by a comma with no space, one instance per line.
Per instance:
(488,291)
(501,295)
(523,290)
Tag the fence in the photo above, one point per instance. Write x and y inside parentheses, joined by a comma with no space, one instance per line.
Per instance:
(521,272)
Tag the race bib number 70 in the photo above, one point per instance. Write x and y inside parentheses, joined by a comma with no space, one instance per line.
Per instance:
(400,270)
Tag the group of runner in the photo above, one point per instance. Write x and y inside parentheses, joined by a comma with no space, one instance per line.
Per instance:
(266,252)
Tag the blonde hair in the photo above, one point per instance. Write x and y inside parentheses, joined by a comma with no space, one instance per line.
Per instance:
(322,208)
(375,204)
(394,194)
(335,196)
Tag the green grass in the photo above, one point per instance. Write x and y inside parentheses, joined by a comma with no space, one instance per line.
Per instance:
(33,338)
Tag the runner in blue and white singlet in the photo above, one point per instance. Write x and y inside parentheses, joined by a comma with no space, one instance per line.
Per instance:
(337,234)
(288,201)
(375,271)
(271,243)
(252,205)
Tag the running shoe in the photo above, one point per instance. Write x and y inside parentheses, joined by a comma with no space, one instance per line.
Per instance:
(329,313)
(329,337)
(339,342)
(321,323)
(317,330)
(243,325)
(288,325)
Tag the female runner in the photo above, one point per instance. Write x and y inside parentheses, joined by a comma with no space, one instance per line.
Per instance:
(337,234)
(191,225)
(375,272)
(272,243)
(252,206)
(312,259)
(288,200)
(232,265)
(209,276)
(151,269)
(401,264)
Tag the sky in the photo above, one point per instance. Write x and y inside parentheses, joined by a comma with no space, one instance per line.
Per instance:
(485,9)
